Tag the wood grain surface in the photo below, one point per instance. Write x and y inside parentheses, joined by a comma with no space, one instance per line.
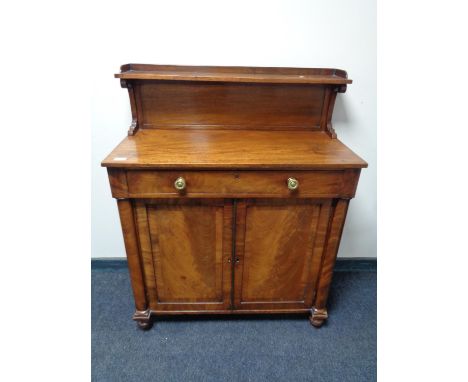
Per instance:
(217,105)
(276,250)
(184,249)
(316,184)
(233,74)
(235,238)
(230,149)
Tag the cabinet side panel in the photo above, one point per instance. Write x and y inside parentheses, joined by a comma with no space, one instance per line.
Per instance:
(146,253)
(131,247)
(331,251)
(319,246)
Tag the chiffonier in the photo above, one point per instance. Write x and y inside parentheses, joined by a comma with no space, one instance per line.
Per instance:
(232,189)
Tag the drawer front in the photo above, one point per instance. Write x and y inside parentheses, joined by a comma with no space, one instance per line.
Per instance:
(148,183)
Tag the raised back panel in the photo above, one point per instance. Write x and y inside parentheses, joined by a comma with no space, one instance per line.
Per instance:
(215,97)
(178,104)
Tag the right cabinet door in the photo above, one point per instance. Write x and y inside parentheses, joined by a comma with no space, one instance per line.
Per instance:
(278,251)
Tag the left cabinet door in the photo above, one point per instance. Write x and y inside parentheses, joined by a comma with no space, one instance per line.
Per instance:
(186,249)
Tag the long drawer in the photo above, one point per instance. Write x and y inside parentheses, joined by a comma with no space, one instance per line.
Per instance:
(150,183)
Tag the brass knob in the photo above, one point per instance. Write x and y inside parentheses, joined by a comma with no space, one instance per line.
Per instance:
(293,184)
(179,183)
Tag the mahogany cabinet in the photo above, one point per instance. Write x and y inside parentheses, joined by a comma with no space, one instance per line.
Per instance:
(232,189)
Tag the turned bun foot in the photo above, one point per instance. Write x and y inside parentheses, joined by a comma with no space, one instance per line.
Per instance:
(316,322)
(145,325)
(318,317)
(143,319)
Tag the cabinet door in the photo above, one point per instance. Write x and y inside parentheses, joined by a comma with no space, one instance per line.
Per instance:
(186,247)
(279,246)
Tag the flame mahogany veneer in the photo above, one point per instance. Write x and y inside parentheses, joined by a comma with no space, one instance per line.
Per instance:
(232,189)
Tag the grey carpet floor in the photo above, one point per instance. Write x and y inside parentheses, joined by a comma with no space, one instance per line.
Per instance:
(272,348)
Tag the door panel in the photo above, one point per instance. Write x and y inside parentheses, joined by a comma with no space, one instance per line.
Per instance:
(279,244)
(187,247)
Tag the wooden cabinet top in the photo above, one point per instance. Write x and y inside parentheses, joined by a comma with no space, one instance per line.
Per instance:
(231,149)
(210,117)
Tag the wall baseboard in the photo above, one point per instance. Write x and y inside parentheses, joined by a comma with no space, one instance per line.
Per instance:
(347,264)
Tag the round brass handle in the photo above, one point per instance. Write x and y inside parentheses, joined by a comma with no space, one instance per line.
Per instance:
(179,183)
(293,184)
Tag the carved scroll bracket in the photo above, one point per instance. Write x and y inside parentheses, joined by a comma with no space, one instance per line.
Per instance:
(331,131)
(341,88)
(124,83)
(133,127)
(330,102)
(133,104)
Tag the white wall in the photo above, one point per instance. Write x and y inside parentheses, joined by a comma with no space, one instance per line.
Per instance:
(332,33)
